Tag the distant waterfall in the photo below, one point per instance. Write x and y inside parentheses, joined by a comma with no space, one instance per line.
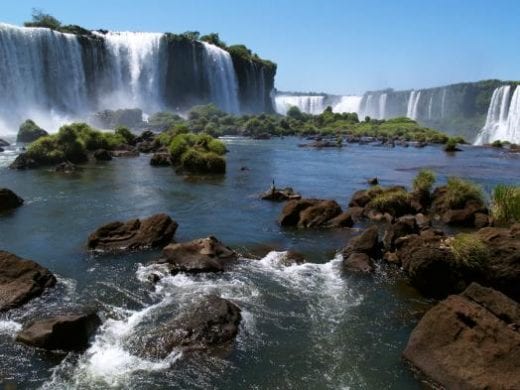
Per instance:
(373,105)
(413,104)
(308,104)
(222,78)
(443,103)
(347,104)
(382,105)
(503,117)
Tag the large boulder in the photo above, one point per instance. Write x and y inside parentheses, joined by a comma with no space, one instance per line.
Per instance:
(310,213)
(134,234)
(402,227)
(210,324)
(9,200)
(201,255)
(469,341)
(23,161)
(359,254)
(21,280)
(68,332)
(30,132)
(162,159)
(469,214)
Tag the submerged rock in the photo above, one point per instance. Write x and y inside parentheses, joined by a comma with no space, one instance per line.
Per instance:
(202,255)
(68,332)
(9,200)
(210,324)
(134,234)
(469,341)
(66,167)
(21,280)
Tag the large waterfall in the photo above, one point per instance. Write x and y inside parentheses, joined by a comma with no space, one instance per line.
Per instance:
(54,77)
(413,104)
(308,104)
(348,104)
(503,118)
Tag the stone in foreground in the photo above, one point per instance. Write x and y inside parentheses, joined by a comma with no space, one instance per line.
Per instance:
(134,234)
(202,255)
(210,324)
(9,200)
(69,332)
(21,280)
(469,341)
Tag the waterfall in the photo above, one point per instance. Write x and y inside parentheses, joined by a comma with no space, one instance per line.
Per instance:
(503,117)
(134,71)
(222,78)
(430,104)
(41,74)
(443,103)
(348,104)
(308,104)
(413,104)
(382,106)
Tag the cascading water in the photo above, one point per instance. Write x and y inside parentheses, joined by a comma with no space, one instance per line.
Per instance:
(503,118)
(347,104)
(222,78)
(382,106)
(308,104)
(413,104)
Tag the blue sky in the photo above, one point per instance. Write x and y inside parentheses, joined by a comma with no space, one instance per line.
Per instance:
(336,46)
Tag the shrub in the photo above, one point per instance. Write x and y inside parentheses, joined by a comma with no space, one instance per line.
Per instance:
(197,161)
(451,145)
(469,250)
(497,144)
(424,180)
(395,201)
(460,191)
(41,19)
(217,147)
(126,134)
(505,204)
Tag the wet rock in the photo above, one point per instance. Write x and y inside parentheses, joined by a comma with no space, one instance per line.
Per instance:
(373,181)
(9,200)
(356,213)
(358,263)
(280,194)
(125,153)
(1,149)
(202,255)
(309,213)
(467,214)
(161,160)
(403,226)
(67,332)
(134,234)
(21,280)
(292,258)
(22,161)
(65,167)
(469,341)
(30,132)
(209,325)
(102,155)
(343,220)
(360,199)
(367,242)
(3,143)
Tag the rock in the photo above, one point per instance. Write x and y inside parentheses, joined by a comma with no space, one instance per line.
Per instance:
(280,194)
(9,200)
(391,257)
(402,227)
(356,213)
(3,143)
(68,332)
(464,215)
(146,135)
(481,220)
(202,255)
(30,132)
(22,161)
(343,220)
(292,258)
(125,153)
(210,324)
(367,242)
(65,167)
(358,262)
(373,181)
(291,212)
(422,221)
(244,168)
(360,199)
(21,280)
(134,234)
(161,160)
(2,149)
(469,341)
(102,155)
(319,214)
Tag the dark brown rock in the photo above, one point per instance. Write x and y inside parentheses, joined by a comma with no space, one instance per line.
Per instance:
(134,234)
(343,220)
(373,181)
(358,263)
(402,227)
(292,258)
(469,341)
(125,153)
(211,324)
(68,332)
(9,200)
(161,160)
(22,161)
(202,255)
(367,242)
(65,167)
(21,280)
(319,214)
(291,211)
(280,194)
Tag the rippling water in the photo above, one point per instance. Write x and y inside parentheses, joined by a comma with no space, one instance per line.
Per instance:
(305,326)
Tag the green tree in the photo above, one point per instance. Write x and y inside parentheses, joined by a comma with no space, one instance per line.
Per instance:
(41,19)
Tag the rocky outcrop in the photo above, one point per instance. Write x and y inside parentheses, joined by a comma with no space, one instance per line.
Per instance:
(161,160)
(22,161)
(469,341)
(402,227)
(312,213)
(473,213)
(280,194)
(134,234)
(68,332)
(359,254)
(202,255)
(30,132)
(66,167)
(21,280)
(9,200)
(210,324)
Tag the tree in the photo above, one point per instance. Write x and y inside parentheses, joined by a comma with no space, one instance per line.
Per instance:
(214,39)
(41,19)
(295,113)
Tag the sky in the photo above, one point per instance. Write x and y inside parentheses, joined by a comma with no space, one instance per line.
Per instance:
(334,46)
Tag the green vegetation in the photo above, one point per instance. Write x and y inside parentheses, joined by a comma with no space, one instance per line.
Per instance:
(424,181)
(469,250)
(394,200)
(460,191)
(451,145)
(72,143)
(505,204)
(29,131)
(41,19)
(497,144)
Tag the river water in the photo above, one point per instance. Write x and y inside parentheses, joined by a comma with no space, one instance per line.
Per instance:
(305,326)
